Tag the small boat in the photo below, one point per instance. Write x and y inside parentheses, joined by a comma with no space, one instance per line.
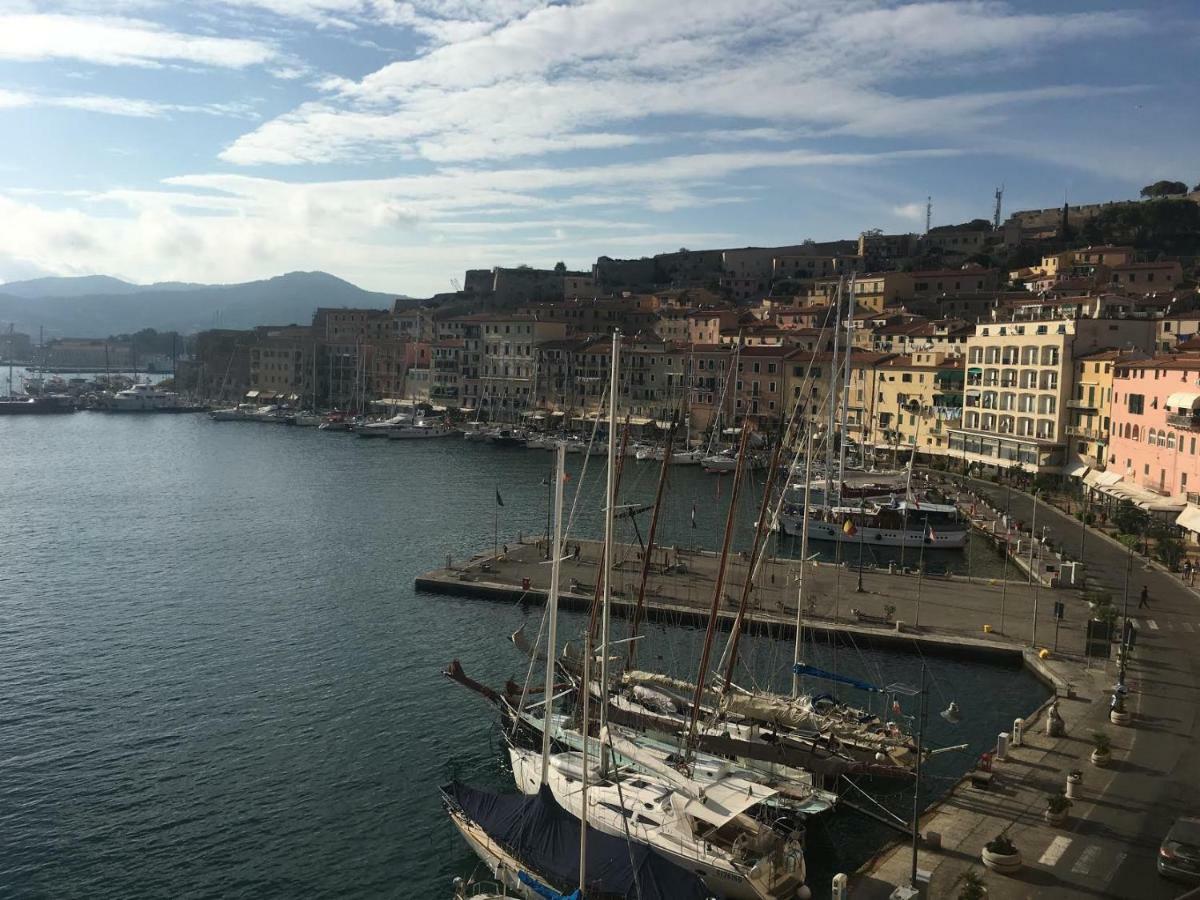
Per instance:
(337,421)
(239,413)
(381,429)
(303,420)
(50,404)
(507,437)
(475,431)
(726,461)
(420,430)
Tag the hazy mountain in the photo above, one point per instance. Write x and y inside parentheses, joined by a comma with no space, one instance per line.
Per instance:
(98,305)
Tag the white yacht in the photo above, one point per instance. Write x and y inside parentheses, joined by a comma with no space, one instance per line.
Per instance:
(147,398)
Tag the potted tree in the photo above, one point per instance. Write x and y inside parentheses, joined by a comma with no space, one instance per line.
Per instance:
(1117,713)
(1056,809)
(1001,855)
(972,886)
(1102,749)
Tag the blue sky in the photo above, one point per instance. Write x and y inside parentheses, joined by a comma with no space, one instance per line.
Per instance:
(398,143)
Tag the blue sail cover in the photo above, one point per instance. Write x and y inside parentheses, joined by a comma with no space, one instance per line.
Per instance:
(802,669)
(545,837)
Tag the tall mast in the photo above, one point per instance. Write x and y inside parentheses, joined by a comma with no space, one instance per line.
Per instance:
(808,454)
(718,588)
(833,373)
(846,389)
(609,509)
(583,778)
(764,513)
(560,457)
(649,552)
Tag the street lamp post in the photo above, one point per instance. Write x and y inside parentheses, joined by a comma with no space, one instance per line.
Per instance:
(859,589)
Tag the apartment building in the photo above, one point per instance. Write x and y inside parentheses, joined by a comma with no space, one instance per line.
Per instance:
(283,364)
(508,360)
(809,375)
(1154,436)
(872,291)
(1090,406)
(919,396)
(1018,380)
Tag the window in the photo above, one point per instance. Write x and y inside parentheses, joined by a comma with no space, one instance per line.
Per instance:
(1135,403)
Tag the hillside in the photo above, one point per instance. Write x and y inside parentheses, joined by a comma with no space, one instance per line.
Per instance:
(99,305)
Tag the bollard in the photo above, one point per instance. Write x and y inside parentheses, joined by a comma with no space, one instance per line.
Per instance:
(841,887)
(1018,732)
(1002,745)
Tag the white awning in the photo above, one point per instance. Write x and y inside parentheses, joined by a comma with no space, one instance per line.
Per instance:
(1147,500)
(1189,518)
(1078,470)
(1090,478)
(1184,400)
(1107,478)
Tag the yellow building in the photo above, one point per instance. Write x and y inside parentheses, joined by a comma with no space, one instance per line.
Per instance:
(1090,405)
(918,396)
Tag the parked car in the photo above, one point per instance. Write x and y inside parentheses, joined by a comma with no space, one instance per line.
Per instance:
(1179,855)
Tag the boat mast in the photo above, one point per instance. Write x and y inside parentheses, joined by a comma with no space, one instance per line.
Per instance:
(560,462)
(846,390)
(833,372)
(718,589)
(808,454)
(764,514)
(649,551)
(609,509)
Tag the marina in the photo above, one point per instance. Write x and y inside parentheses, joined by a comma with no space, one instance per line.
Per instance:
(366,647)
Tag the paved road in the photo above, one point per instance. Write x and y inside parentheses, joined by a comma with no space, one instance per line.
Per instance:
(1112,851)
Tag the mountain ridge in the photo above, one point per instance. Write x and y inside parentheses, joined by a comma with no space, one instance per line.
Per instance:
(100,305)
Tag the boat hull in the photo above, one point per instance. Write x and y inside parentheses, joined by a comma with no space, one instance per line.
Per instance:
(868,535)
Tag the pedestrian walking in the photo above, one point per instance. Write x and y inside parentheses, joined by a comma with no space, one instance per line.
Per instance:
(1187,571)
(1145,599)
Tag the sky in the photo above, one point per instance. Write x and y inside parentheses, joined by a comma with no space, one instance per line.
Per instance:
(396,143)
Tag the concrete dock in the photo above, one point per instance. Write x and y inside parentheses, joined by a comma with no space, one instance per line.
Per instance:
(947,613)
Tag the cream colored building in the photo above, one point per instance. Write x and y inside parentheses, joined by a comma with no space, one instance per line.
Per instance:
(1019,378)
(918,399)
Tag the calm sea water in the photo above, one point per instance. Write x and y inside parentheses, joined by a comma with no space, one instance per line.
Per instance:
(218,680)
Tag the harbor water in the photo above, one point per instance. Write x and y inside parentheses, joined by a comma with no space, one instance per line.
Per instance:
(219,680)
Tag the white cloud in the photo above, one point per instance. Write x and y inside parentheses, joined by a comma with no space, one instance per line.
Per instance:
(605,73)
(913,212)
(120,42)
(119,106)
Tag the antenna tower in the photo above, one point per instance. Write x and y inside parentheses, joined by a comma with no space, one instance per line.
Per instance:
(996,212)
(928,213)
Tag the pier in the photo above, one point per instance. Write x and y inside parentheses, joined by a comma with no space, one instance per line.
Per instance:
(947,614)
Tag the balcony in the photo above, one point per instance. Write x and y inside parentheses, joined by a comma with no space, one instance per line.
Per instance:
(1080,403)
(1184,420)
(1091,434)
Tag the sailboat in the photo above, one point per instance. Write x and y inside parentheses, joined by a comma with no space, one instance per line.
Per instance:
(531,843)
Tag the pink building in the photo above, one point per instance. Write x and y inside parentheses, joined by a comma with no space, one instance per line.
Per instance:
(1154,444)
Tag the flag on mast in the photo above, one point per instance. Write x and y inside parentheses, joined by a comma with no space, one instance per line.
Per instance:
(849,528)
(693,515)
(499,499)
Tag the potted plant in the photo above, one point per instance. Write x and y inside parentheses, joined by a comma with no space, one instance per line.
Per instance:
(1001,855)
(1102,749)
(972,886)
(1056,809)
(889,610)
(1117,714)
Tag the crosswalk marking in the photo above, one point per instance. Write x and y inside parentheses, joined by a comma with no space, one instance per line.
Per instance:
(1153,625)
(1187,626)
(1055,851)
(1086,859)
